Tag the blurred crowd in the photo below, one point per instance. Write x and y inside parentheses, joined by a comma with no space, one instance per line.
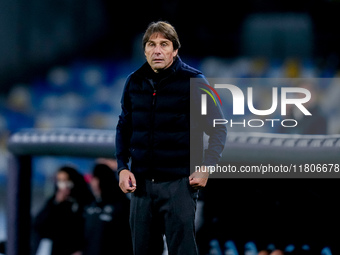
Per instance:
(86,94)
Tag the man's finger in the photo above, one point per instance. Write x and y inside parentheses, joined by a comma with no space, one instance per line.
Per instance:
(133,180)
(198,183)
(129,187)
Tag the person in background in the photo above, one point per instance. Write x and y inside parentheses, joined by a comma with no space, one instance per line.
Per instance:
(61,218)
(275,252)
(106,218)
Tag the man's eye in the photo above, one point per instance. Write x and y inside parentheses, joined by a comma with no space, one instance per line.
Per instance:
(164,44)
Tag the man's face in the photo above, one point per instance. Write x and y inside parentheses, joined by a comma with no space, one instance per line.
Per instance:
(159,52)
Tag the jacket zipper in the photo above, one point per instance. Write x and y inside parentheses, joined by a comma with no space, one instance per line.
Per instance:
(154,93)
(154,97)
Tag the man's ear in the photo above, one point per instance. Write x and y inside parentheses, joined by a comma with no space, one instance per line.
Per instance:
(174,53)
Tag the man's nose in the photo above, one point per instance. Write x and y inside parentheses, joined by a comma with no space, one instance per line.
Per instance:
(157,49)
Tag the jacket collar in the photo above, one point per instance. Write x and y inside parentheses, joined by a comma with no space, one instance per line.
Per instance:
(146,71)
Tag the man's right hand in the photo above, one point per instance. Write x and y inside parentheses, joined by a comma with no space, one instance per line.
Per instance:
(127,181)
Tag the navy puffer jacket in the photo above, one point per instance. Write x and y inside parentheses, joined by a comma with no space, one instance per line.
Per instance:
(154,126)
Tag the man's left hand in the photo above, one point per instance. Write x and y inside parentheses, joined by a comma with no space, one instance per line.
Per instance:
(198,180)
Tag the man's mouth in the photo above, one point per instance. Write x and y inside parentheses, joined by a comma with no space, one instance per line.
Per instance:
(157,60)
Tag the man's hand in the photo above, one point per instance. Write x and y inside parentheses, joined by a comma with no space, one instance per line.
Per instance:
(127,181)
(198,180)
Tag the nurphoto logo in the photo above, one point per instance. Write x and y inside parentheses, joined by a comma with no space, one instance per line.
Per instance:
(282,98)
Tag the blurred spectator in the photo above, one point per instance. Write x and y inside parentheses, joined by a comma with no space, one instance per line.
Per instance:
(263,252)
(19,112)
(112,163)
(292,68)
(277,252)
(61,219)
(107,229)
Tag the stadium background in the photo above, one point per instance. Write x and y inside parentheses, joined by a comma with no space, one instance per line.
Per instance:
(63,63)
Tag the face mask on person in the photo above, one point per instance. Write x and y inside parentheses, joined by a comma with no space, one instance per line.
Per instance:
(65,185)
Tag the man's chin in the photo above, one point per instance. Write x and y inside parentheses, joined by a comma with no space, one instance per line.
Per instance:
(158,68)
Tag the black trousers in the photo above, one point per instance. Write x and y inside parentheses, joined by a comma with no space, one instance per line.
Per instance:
(163,208)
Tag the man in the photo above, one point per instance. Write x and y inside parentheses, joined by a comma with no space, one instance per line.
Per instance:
(154,130)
